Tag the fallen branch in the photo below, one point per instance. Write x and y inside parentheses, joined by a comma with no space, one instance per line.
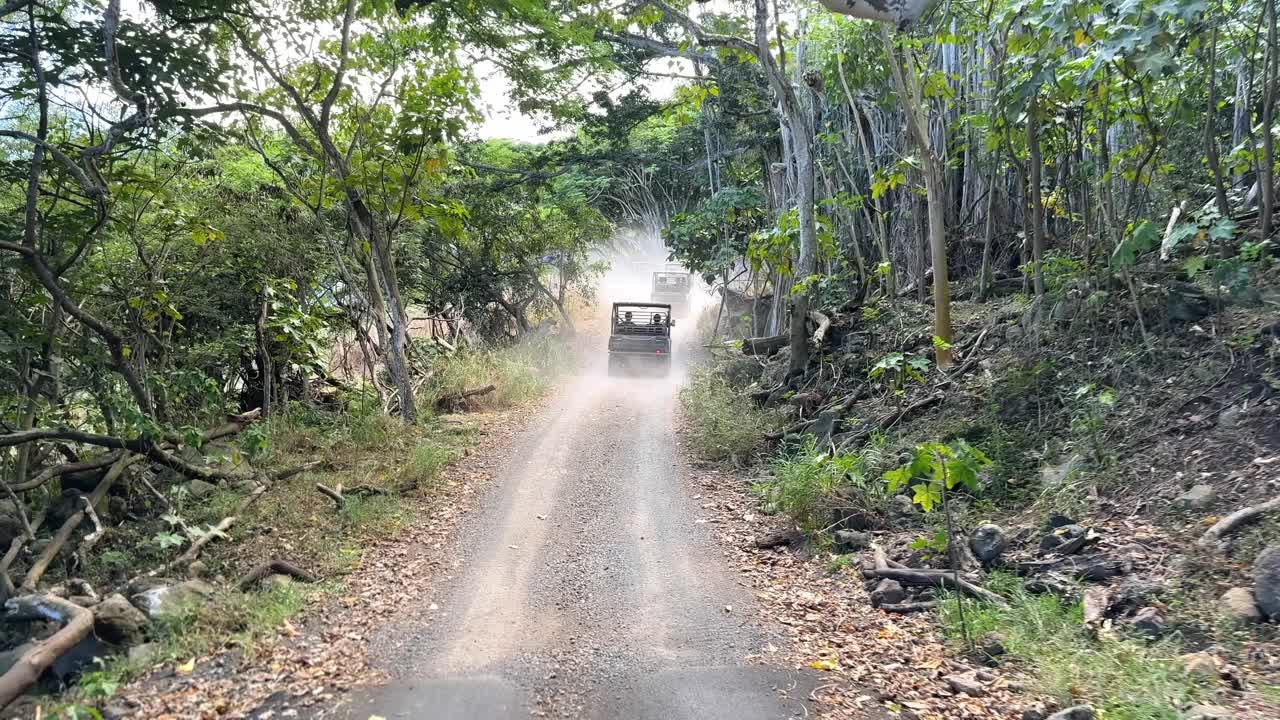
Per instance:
(889,421)
(64,533)
(926,578)
(87,543)
(824,324)
(333,494)
(455,399)
(273,567)
(15,548)
(910,607)
(764,345)
(1235,520)
(77,623)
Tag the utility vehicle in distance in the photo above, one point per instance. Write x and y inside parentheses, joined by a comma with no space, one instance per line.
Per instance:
(671,287)
(640,339)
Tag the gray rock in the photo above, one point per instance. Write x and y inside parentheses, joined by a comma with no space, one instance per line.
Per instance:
(1208,712)
(1266,582)
(1055,475)
(1148,622)
(965,684)
(888,592)
(173,599)
(1238,604)
(850,540)
(1079,712)
(1199,664)
(901,506)
(988,542)
(1230,417)
(144,654)
(1064,540)
(1034,712)
(9,658)
(1199,497)
(197,489)
(118,622)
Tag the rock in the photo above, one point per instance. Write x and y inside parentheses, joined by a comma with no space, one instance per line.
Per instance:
(118,622)
(9,658)
(1033,712)
(197,569)
(1230,417)
(901,506)
(1208,712)
(197,489)
(780,538)
(1238,604)
(1064,540)
(1079,712)
(173,599)
(965,684)
(1199,664)
(1057,520)
(988,542)
(991,646)
(1198,497)
(850,540)
(1187,303)
(277,580)
(888,592)
(1266,582)
(1148,622)
(1055,475)
(144,654)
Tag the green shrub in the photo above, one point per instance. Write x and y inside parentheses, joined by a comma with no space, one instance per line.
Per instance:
(809,485)
(1125,679)
(521,372)
(724,424)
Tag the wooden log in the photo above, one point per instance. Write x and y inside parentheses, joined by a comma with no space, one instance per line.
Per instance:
(61,537)
(823,322)
(938,579)
(765,346)
(455,399)
(910,607)
(333,494)
(273,567)
(1236,520)
(77,624)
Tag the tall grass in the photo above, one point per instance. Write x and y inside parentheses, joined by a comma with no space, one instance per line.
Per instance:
(1125,679)
(521,372)
(810,485)
(725,424)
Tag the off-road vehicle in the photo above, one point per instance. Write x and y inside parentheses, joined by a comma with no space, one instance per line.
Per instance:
(640,339)
(671,287)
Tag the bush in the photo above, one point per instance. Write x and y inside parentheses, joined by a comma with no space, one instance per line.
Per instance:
(1124,679)
(521,372)
(809,485)
(723,423)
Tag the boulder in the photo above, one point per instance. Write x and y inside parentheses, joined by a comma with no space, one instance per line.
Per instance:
(198,489)
(1064,540)
(1148,622)
(1238,604)
(1199,497)
(1208,712)
(988,542)
(850,540)
(1266,582)
(144,654)
(965,684)
(1199,664)
(1079,712)
(9,658)
(888,592)
(119,622)
(901,506)
(173,599)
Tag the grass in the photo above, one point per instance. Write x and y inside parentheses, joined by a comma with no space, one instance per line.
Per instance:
(1125,679)
(725,425)
(521,372)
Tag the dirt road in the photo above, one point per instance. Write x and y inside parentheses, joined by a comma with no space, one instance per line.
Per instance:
(585,587)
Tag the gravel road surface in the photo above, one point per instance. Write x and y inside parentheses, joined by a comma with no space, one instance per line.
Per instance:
(586,587)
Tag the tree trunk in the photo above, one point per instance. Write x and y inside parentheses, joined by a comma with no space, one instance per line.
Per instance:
(1266,166)
(1036,201)
(931,165)
(1210,130)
